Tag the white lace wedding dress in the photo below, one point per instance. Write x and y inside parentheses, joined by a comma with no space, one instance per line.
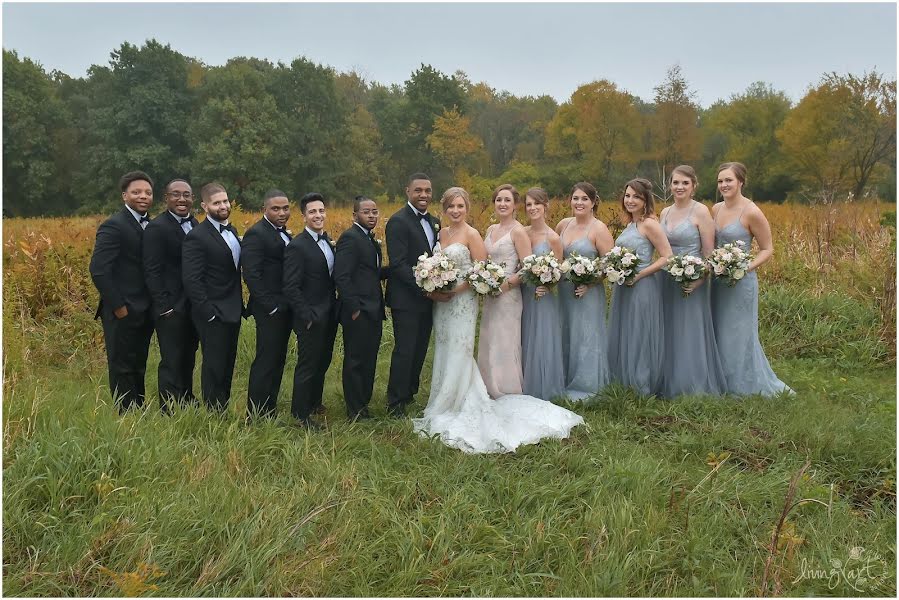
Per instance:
(459,409)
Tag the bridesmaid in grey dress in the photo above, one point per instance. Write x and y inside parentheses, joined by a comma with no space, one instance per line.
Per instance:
(583,308)
(636,330)
(735,310)
(541,346)
(691,364)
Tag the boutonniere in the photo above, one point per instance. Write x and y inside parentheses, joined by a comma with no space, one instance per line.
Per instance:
(240,238)
(288,232)
(379,241)
(436,227)
(332,242)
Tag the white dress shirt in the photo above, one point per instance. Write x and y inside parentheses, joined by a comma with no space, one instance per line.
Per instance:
(138,217)
(230,239)
(325,248)
(185,226)
(429,231)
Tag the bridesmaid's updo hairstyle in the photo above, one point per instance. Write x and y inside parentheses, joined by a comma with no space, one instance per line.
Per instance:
(453,193)
(687,171)
(538,195)
(587,188)
(739,170)
(643,189)
(516,197)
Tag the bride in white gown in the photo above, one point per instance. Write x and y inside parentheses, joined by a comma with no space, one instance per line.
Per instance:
(459,409)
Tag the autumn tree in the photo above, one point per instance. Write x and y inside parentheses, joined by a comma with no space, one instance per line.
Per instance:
(842,132)
(743,129)
(673,127)
(598,127)
(452,142)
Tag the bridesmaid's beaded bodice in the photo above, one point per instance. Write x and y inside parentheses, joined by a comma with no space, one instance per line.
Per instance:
(631,238)
(503,251)
(582,246)
(684,238)
(732,232)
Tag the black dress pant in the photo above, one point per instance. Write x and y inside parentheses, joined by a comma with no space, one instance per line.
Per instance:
(411,334)
(272,334)
(218,341)
(127,345)
(361,342)
(314,349)
(178,341)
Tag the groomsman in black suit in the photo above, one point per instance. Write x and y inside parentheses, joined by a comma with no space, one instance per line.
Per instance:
(358,272)
(210,265)
(117,270)
(262,259)
(411,232)
(309,287)
(175,331)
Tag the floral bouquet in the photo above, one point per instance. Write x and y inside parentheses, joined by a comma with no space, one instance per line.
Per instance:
(730,262)
(485,277)
(686,269)
(437,273)
(541,269)
(582,270)
(619,265)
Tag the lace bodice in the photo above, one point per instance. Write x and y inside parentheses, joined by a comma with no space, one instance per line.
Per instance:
(459,254)
(503,251)
(633,239)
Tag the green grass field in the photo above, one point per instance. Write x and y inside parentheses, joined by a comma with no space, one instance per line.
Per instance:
(650,498)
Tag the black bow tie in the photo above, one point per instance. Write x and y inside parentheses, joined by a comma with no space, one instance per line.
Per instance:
(320,237)
(283,230)
(229,227)
(184,220)
(144,219)
(423,216)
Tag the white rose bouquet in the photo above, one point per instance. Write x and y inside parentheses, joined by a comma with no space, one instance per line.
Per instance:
(619,265)
(541,269)
(730,262)
(686,269)
(437,273)
(485,277)
(582,270)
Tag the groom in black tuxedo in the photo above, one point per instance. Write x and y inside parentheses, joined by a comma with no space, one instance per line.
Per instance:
(117,271)
(411,232)
(309,288)
(358,272)
(262,260)
(175,331)
(210,266)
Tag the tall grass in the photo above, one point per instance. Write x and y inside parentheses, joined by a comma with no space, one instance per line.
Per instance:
(650,497)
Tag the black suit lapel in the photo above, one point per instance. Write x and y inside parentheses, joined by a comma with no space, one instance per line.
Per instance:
(217,236)
(315,250)
(416,223)
(134,224)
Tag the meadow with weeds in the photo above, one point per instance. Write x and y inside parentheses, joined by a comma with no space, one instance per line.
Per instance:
(698,496)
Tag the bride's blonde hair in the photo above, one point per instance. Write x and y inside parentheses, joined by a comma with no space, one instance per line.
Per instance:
(453,193)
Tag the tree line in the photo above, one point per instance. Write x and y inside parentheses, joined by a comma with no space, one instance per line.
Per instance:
(253,125)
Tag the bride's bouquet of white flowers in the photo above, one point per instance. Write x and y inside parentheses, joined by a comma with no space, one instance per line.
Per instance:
(619,265)
(437,273)
(582,270)
(730,262)
(485,277)
(542,269)
(685,269)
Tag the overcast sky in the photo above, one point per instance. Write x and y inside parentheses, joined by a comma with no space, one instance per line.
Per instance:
(527,49)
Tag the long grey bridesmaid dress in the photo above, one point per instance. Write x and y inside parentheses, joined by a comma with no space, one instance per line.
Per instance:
(541,346)
(735,314)
(636,330)
(691,363)
(583,332)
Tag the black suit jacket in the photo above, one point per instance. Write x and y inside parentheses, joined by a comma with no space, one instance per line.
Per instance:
(210,280)
(117,267)
(262,263)
(308,286)
(357,274)
(163,239)
(406,241)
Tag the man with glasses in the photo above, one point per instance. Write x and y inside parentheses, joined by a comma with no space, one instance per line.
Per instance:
(117,270)
(175,330)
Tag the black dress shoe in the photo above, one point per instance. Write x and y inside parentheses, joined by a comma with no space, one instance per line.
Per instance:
(309,424)
(397,412)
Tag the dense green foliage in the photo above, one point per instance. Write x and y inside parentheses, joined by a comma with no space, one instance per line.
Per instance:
(252,125)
